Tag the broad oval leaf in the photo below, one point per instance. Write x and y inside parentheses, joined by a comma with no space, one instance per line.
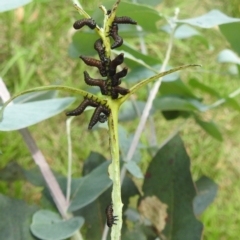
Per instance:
(93,185)
(6,5)
(48,225)
(167,103)
(228,56)
(210,19)
(206,192)
(18,116)
(17,218)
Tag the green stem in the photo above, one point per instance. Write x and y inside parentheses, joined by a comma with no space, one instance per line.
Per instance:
(69,177)
(114,169)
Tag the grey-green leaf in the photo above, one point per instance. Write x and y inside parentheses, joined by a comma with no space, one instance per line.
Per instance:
(6,5)
(18,116)
(228,56)
(36,96)
(210,19)
(93,185)
(15,219)
(210,127)
(48,225)
(167,103)
(134,169)
(206,193)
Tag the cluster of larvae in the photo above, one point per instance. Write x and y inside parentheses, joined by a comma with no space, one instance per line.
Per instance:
(107,68)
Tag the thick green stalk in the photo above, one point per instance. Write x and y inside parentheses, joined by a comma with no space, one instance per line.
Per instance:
(114,169)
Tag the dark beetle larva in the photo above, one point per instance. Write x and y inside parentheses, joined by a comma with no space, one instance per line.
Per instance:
(100,49)
(109,214)
(86,21)
(96,115)
(118,60)
(116,78)
(124,20)
(118,41)
(95,63)
(86,102)
(96,82)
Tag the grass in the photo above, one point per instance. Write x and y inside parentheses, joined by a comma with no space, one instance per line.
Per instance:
(35,41)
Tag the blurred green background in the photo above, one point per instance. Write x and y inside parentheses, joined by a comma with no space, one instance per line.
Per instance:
(34,43)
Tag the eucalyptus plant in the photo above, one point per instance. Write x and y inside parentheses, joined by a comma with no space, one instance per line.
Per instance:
(113,96)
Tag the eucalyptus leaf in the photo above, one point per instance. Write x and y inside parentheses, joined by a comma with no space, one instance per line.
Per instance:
(210,127)
(201,86)
(177,87)
(48,225)
(135,11)
(17,218)
(36,96)
(140,72)
(229,31)
(228,56)
(185,31)
(137,55)
(134,169)
(18,116)
(167,103)
(92,185)
(206,193)
(131,110)
(210,19)
(155,77)
(6,5)
(125,142)
(233,103)
(81,44)
(168,178)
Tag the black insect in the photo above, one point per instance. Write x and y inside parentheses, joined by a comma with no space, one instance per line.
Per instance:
(109,214)
(95,63)
(124,20)
(97,117)
(86,21)
(100,114)
(118,60)
(115,79)
(96,82)
(118,41)
(101,51)
(80,109)
(118,90)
